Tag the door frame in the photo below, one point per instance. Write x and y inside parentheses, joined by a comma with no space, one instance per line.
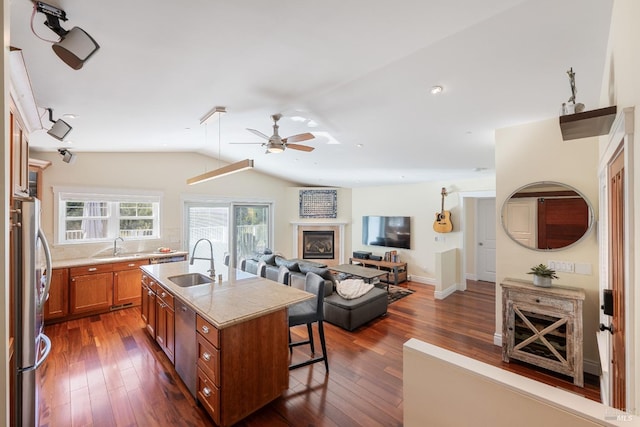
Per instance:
(478,273)
(620,138)
(468,231)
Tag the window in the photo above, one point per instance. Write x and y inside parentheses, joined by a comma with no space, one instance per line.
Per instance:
(91,216)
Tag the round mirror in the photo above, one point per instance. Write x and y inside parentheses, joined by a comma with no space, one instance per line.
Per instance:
(547,216)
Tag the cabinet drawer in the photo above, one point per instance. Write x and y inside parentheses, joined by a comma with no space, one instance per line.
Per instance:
(149,283)
(562,304)
(129,265)
(208,331)
(209,395)
(208,359)
(165,296)
(90,269)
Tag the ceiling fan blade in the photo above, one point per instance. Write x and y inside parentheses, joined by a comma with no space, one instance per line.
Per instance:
(300,147)
(258,133)
(299,137)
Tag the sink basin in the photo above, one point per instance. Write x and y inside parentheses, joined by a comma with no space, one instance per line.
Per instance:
(191,279)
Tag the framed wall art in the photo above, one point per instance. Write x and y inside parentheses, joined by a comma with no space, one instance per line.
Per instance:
(318,203)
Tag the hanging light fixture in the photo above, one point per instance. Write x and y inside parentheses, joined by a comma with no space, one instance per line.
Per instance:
(216,114)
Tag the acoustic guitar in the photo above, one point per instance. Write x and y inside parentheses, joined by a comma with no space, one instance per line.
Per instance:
(443,224)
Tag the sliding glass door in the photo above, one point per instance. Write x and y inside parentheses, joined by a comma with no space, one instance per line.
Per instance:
(237,228)
(207,221)
(252,225)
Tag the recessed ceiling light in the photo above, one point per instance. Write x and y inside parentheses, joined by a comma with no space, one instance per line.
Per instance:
(359,145)
(312,123)
(298,119)
(70,116)
(436,90)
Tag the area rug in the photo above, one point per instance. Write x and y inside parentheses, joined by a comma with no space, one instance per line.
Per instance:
(398,292)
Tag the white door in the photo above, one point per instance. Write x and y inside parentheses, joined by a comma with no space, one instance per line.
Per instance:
(486,239)
(520,218)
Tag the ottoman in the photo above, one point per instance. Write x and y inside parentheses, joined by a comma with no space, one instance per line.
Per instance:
(349,314)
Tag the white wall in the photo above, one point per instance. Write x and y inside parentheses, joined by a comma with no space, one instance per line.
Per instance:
(621,87)
(421,202)
(166,172)
(536,152)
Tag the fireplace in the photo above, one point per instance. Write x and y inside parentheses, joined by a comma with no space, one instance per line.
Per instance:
(318,244)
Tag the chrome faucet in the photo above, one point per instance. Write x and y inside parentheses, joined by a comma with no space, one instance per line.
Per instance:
(212,270)
(115,245)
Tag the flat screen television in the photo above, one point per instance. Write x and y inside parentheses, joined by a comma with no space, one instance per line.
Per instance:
(388,231)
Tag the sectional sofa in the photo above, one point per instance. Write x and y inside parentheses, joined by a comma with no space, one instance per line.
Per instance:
(349,314)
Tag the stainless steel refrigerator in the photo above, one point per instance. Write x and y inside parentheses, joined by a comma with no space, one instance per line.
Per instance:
(32,277)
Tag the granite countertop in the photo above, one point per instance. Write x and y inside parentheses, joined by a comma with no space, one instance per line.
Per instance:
(239,297)
(78,262)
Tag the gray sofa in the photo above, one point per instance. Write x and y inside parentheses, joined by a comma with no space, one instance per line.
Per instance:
(348,314)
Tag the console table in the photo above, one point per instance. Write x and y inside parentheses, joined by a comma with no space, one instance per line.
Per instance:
(397,269)
(543,326)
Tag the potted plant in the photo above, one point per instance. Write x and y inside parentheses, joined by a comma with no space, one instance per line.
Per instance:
(542,275)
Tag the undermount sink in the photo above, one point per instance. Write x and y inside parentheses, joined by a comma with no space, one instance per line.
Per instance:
(191,279)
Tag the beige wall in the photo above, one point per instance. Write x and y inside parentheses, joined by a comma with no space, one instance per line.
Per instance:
(166,172)
(535,152)
(443,388)
(621,87)
(421,202)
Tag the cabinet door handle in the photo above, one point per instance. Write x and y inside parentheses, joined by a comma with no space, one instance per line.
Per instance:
(164,294)
(92,269)
(150,293)
(206,356)
(206,391)
(131,265)
(205,329)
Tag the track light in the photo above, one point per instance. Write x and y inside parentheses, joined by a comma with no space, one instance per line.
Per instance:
(67,156)
(75,46)
(60,128)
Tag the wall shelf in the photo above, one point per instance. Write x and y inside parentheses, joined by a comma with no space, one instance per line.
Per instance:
(587,124)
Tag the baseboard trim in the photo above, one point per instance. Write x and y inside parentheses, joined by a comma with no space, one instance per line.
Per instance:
(445,293)
(591,367)
(471,276)
(423,280)
(497,339)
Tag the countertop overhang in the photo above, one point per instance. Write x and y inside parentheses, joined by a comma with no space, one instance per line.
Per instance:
(239,297)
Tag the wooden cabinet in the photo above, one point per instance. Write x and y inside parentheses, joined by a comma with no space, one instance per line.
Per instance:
(148,309)
(34,180)
(91,288)
(57,305)
(543,326)
(19,157)
(242,367)
(126,283)
(396,271)
(165,322)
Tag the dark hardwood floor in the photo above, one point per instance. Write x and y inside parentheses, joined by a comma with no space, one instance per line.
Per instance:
(106,371)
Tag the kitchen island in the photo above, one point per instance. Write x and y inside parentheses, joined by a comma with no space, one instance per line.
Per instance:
(240,339)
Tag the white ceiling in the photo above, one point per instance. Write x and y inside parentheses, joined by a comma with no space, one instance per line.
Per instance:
(361,69)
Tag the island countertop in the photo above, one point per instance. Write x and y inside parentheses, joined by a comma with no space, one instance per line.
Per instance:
(239,297)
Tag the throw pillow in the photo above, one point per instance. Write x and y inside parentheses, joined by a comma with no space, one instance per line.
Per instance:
(268,259)
(322,272)
(291,265)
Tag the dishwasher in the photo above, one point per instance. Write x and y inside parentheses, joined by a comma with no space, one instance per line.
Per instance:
(185,355)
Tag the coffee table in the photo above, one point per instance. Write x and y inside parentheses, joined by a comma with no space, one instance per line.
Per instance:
(364,273)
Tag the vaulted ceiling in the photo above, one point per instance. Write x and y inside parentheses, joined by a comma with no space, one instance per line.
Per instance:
(361,71)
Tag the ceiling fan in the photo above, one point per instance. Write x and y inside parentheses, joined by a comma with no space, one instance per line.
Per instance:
(276,144)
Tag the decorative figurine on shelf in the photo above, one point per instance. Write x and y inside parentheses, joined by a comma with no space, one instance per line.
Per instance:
(571,107)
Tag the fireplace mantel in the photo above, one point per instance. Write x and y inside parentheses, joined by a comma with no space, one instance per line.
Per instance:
(336,226)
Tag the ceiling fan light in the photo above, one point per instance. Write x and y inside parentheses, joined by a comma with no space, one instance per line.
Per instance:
(275,148)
